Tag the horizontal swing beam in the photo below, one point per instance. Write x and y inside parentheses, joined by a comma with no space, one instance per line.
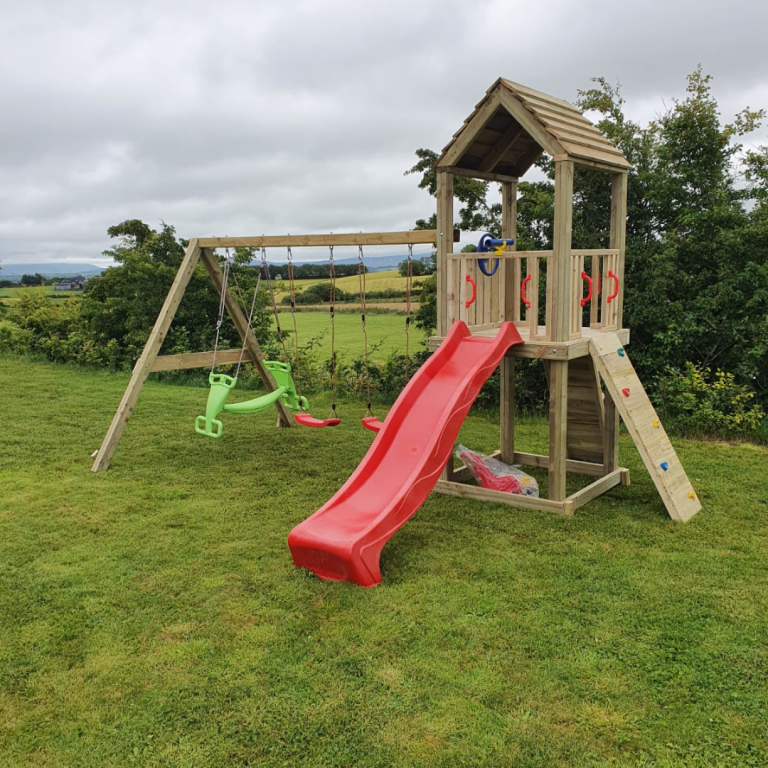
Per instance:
(409,237)
(198,360)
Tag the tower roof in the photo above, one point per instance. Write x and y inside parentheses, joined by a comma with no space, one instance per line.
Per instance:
(513,125)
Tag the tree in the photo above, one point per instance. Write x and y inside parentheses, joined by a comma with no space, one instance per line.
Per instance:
(121,306)
(31,280)
(419,267)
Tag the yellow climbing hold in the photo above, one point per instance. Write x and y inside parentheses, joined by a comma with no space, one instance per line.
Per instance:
(692,496)
(656,423)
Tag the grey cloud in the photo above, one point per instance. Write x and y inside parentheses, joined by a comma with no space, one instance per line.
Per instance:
(248,117)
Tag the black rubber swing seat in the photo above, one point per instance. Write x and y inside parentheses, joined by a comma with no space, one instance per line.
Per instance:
(307,420)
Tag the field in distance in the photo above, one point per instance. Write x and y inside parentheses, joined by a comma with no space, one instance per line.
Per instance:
(374,281)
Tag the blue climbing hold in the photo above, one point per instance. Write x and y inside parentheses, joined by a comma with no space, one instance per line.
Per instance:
(664,465)
(620,351)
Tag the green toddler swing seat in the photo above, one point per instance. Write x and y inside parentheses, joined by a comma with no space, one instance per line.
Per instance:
(222,385)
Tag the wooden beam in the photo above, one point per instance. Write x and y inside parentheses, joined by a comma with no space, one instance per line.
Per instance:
(504,255)
(409,237)
(571,465)
(558,428)
(198,360)
(593,490)
(559,266)
(619,189)
(246,333)
(510,303)
(469,131)
(499,497)
(473,174)
(144,364)
(545,350)
(533,127)
(503,144)
(444,246)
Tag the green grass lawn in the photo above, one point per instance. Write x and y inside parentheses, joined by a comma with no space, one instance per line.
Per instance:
(386,333)
(151,615)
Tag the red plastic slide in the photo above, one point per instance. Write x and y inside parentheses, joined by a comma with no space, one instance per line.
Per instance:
(344,538)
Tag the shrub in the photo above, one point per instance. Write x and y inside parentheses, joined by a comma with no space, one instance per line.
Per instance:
(318,293)
(699,401)
(14,338)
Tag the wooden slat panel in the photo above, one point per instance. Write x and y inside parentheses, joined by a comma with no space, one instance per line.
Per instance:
(594,153)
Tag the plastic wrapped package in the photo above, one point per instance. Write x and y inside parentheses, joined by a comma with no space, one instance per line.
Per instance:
(496,475)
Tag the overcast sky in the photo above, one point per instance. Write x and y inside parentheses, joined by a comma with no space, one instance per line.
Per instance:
(243,117)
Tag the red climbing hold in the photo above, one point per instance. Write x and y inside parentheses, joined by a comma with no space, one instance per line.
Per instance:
(625,391)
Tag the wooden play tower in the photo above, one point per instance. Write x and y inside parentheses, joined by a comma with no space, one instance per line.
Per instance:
(574,326)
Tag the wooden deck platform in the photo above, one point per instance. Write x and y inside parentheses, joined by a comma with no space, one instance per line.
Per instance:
(538,349)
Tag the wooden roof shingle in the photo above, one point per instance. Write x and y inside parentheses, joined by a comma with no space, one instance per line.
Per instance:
(513,125)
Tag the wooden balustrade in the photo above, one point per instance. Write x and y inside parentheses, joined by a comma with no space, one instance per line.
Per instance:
(488,309)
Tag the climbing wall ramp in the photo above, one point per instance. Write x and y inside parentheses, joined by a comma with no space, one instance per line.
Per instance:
(643,423)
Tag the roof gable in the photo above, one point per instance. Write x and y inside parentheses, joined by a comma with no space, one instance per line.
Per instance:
(513,125)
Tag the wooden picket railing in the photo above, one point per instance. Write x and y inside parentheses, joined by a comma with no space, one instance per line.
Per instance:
(514,292)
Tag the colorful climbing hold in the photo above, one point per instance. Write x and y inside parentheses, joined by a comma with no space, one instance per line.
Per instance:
(656,423)
(692,496)
(625,391)
(620,351)
(664,465)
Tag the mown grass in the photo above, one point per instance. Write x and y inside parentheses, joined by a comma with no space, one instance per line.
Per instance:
(151,615)
(386,333)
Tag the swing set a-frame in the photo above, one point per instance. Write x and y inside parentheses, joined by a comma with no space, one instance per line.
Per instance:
(203,250)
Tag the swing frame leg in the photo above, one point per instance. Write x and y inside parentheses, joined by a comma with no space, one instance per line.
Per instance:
(148,358)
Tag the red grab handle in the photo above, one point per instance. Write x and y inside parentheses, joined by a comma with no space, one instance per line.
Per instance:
(471,301)
(610,298)
(585,276)
(522,292)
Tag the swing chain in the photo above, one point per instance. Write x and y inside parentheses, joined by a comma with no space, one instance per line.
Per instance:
(222,304)
(265,268)
(293,317)
(361,280)
(408,286)
(332,298)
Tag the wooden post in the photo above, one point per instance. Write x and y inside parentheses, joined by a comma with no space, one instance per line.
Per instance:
(144,364)
(444,246)
(509,291)
(241,324)
(559,267)
(619,184)
(559,272)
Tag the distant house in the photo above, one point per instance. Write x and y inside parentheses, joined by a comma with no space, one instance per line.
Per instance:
(70,284)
